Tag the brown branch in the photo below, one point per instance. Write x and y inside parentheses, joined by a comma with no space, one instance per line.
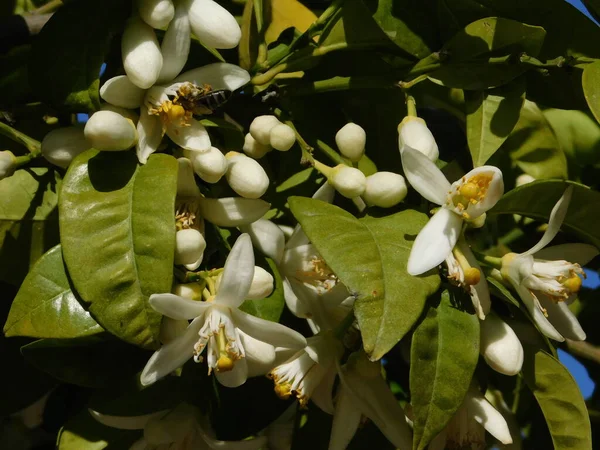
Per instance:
(584,350)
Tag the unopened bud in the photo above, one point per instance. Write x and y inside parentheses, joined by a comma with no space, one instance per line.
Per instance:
(193,291)
(261,287)
(254,149)
(246,176)
(213,24)
(8,164)
(500,346)
(189,248)
(60,146)
(156,13)
(385,189)
(261,127)
(127,113)
(351,141)
(523,179)
(348,181)
(282,137)
(186,183)
(142,58)
(210,165)
(413,132)
(107,130)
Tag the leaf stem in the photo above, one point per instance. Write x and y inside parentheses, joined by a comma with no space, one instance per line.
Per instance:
(307,157)
(260,26)
(411,105)
(492,261)
(34,147)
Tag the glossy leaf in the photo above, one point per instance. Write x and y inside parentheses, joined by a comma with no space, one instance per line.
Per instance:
(561,401)
(118,235)
(443,357)
(46,306)
(271,307)
(491,117)
(591,87)
(28,220)
(537,199)
(285,14)
(55,50)
(369,255)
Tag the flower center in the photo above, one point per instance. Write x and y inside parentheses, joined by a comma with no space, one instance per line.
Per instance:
(225,361)
(186,214)
(469,192)
(319,275)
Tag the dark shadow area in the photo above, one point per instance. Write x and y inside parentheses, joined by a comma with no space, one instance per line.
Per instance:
(111,171)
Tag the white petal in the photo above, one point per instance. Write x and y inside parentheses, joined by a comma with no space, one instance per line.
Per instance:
(176,307)
(175,46)
(186,183)
(207,436)
(299,298)
(346,420)
(575,253)
(120,91)
(232,211)
(298,237)
(424,176)
(500,346)
(325,193)
(322,396)
(217,75)
(485,414)
(142,59)
(140,444)
(237,274)
(266,331)
(126,422)
(192,137)
(434,242)
(494,192)
(235,377)
(541,321)
(557,216)
(213,24)
(266,237)
(563,319)
(172,355)
(150,135)
(260,356)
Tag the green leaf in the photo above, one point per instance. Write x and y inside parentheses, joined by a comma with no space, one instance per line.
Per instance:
(443,357)
(369,256)
(117,230)
(591,87)
(537,199)
(502,292)
(271,307)
(65,70)
(491,117)
(92,361)
(467,65)
(534,147)
(46,306)
(28,220)
(83,432)
(560,399)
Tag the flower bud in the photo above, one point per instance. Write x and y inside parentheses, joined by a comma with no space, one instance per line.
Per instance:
(60,146)
(107,130)
(351,140)
(253,149)
(523,179)
(261,287)
(142,58)
(210,165)
(413,132)
(500,346)
(120,91)
(156,13)
(261,127)
(348,181)
(189,248)
(385,189)
(127,113)
(186,182)
(267,237)
(193,291)
(213,24)
(246,176)
(282,137)
(8,164)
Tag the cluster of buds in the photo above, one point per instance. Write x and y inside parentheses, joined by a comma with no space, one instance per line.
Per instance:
(267,133)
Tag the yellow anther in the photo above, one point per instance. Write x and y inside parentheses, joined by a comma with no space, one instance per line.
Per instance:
(224,364)
(472,276)
(573,283)
(283,390)
(175,113)
(469,190)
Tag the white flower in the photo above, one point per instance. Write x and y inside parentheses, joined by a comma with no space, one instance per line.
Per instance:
(348,181)
(156,13)
(351,140)
(261,126)
(181,427)
(238,344)
(310,373)
(468,426)
(189,248)
(210,166)
(413,133)
(282,137)
(467,198)
(261,287)
(253,148)
(60,146)
(108,130)
(142,59)
(213,24)
(546,280)
(500,346)
(385,189)
(363,392)
(246,176)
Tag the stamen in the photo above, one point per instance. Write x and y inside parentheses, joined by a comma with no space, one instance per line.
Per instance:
(573,283)
(225,362)
(538,304)
(283,390)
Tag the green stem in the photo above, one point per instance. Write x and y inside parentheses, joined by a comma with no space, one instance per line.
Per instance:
(330,153)
(517,396)
(260,26)
(411,105)
(492,261)
(338,84)
(307,157)
(31,144)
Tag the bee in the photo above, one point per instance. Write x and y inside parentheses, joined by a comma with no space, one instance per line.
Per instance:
(201,100)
